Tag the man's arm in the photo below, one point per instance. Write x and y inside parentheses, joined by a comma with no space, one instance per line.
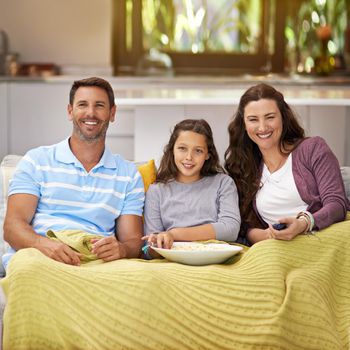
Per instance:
(127,242)
(19,233)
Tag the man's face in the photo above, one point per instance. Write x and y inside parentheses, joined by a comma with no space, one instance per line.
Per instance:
(91,113)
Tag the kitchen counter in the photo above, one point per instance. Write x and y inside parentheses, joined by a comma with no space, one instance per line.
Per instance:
(199,81)
(320,96)
(196,90)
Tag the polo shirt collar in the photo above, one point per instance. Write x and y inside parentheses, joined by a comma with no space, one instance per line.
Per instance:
(65,155)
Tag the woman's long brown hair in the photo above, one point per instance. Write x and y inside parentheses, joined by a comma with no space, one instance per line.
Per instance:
(168,171)
(243,157)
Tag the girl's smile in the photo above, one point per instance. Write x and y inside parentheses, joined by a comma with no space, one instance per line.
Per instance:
(190,153)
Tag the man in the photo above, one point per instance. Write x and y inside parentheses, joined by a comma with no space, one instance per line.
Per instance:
(77,184)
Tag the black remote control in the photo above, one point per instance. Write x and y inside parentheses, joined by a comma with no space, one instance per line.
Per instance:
(279,226)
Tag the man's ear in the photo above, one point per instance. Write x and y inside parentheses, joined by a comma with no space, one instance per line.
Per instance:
(112,114)
(69,110)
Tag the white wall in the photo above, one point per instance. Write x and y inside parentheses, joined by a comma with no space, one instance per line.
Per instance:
(64,32)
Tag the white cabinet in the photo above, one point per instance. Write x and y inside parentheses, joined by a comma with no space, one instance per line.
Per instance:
(120,135)
(35,113)
(38,115)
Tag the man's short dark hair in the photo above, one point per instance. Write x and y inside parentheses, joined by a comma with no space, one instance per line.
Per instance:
(93,81)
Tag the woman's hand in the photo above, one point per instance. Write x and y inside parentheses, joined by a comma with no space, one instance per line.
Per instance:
(160,240)
(294,227)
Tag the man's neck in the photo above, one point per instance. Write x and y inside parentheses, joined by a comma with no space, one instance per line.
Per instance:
(88,153)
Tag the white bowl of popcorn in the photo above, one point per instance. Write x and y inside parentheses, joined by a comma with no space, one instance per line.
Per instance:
(195,253)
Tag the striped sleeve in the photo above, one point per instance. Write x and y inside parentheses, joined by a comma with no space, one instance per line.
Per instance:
(135,195)
(26,179)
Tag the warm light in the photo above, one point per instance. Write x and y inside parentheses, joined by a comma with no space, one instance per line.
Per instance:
(315,17)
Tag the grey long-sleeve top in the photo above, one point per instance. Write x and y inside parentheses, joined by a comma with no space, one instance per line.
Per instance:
(210,200)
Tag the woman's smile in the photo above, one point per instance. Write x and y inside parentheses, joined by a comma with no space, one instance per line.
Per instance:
(263,123)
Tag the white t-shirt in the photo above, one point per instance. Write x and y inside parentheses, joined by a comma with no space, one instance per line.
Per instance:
(278,196)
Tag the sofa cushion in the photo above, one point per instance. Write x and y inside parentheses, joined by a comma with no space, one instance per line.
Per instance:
(345,172)
(148,172)
(7,168)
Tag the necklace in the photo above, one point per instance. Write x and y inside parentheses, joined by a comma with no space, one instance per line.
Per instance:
(273,167)
(269,175)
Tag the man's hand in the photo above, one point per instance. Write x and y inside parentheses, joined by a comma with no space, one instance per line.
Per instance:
(108,248)
(58,251)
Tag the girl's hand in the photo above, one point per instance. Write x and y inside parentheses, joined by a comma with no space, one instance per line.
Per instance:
(161,240)
(294,227)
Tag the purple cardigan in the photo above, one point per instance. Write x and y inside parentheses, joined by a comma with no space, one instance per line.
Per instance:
(319,182)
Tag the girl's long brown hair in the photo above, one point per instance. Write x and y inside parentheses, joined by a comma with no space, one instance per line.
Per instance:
(243,157)
(168,171)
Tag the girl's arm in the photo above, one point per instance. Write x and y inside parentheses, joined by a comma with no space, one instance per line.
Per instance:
(229,218)
(152,213)
(228,222)
(152,220)
(194,233)
(166,239)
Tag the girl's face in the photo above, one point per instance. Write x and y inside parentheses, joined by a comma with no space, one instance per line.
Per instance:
(190,153)
(263,122)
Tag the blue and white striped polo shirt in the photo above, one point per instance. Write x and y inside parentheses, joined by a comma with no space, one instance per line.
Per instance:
(71,198)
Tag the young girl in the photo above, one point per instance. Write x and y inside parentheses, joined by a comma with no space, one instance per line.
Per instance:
(192,199)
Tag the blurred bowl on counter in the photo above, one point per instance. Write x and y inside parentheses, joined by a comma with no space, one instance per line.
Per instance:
(39,69)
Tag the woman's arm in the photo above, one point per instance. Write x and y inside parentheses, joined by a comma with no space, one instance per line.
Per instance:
(330,187)
(255,235)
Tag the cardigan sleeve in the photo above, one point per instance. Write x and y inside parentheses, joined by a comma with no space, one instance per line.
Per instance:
(323,184)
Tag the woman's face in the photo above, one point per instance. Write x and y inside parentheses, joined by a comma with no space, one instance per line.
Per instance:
(263,122)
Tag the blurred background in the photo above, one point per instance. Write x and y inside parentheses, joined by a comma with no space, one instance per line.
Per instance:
(168,60)
(174,37)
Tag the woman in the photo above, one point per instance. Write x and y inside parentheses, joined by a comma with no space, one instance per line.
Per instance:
(282,177)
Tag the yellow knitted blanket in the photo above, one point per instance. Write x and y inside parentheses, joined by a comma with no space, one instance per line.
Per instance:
(279,295)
